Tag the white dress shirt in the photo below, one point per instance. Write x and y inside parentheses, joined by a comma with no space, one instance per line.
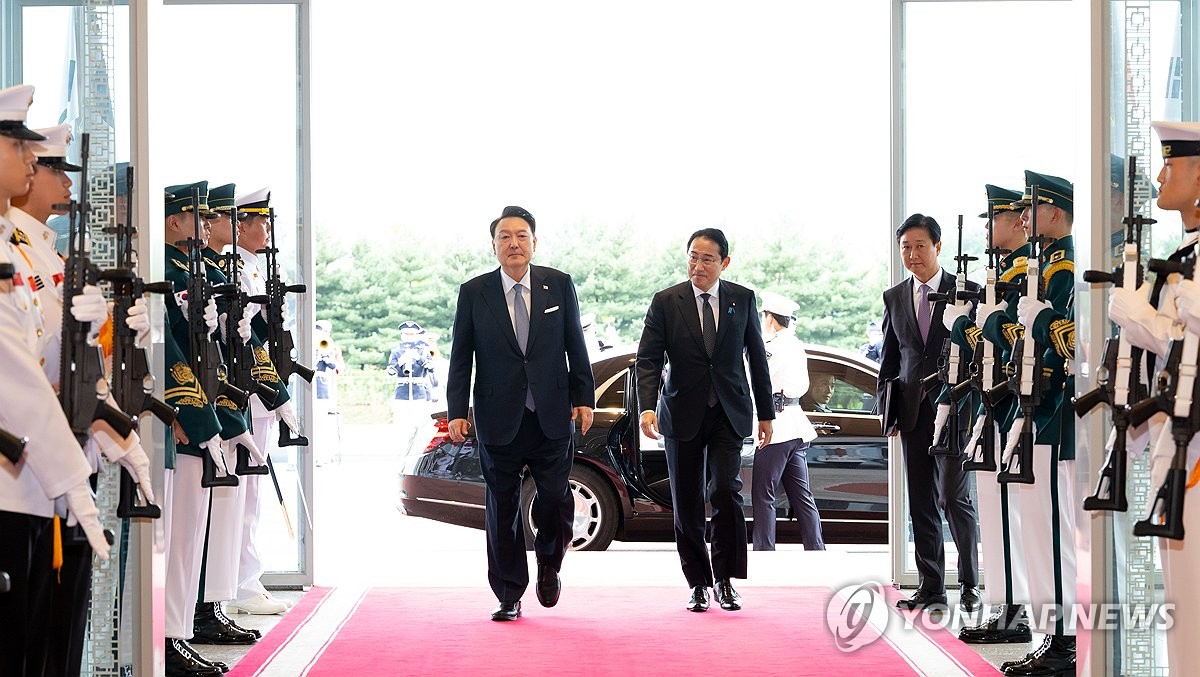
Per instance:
(508,284)
(934,283)
(714,301)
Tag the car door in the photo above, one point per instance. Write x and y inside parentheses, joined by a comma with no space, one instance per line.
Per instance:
(848,461)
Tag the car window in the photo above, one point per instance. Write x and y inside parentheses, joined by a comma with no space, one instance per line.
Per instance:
(613,396)
(838,387)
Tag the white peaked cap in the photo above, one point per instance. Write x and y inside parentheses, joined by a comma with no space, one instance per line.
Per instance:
(778,304)
(58,140)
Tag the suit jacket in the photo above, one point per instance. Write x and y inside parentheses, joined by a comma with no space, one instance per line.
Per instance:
(555,366)
(904,354)
(672,337)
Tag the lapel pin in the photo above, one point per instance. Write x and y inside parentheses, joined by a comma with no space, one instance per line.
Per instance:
(545,287)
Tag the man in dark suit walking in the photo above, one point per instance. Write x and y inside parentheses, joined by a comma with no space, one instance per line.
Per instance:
(533,381)
(913,334)
(700,330)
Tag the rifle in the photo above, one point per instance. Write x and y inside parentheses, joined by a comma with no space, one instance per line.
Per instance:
(951,365)
(205,354)
(11,446)
(1176,394)
(280,345)
(131,379)
(1027,381)
(83,390)
(984,367)
(241,353)
(1119,380)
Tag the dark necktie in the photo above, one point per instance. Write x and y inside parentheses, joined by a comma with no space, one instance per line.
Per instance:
(924,314)
(708,327)
(521,324)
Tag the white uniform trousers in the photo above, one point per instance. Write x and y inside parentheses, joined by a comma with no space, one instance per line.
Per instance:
(1047,540)
(225,535)
(1004,576)
(250,567)
(1180,564)
(186,507)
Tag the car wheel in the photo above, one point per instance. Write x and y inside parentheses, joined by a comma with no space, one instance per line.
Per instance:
(595,524)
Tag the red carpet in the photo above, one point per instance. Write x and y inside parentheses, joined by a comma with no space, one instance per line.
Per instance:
(593,631)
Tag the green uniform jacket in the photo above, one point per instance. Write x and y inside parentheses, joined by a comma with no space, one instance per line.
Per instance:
(197,416)
(231,422)
(1001,328)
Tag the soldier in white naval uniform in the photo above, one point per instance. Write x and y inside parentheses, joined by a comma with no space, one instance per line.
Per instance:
(53,464)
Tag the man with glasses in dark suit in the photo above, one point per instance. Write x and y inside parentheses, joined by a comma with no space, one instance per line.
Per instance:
(701,330)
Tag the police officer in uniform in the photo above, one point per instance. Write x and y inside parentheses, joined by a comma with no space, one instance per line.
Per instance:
(53,462)
(1004,572)
(1179,189)
(411,362)
(1048,505)
(785,459)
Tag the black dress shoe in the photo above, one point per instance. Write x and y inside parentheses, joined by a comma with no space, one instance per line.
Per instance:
(1006,625)
(507,611)
(213,627)
(699,600)
(726,596)
(922,599)
(183,661)
(213,612)
(548,585)
(1054,658)
(969,600)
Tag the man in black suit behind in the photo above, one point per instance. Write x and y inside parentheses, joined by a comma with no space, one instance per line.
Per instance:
(913,334)
(533,381)
(700,330)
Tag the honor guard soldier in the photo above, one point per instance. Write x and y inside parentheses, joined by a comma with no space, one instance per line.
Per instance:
(1047,506)
(1004,572)
(52,463)
(197,432)
(49,194)
(1179,190)
(246,592)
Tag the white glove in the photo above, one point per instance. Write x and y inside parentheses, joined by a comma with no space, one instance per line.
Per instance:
(1028,309)
(286,414)
(247,440)
(1131,306)
(985,311)
(83,511)
(243,326)
(139,321)
(213,447)
(90,306)
(953,311)
(976,433)
(1013,441)
(1161,456)
(939,421)
(210,315)
(130,454)
(1187,302)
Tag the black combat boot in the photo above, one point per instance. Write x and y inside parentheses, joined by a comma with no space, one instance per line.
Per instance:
(1055,658)
(1007,625)
(212,626)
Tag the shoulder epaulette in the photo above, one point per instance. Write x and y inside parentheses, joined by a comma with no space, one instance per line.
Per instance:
(19,237)
(1017,268)
(180,264)
(1058,266)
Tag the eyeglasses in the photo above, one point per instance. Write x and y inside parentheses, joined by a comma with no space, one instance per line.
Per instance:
(707,259)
